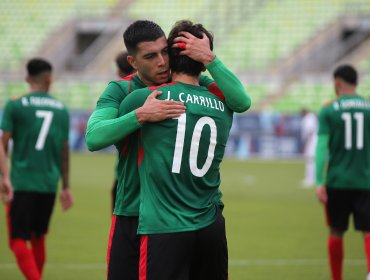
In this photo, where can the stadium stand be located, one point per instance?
(24, 25)
(252, 38)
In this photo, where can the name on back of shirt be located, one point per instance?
(351, 104)
(36, 101)
(208, 102)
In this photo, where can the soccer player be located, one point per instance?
(39, 127)
(344, 135)
(6, 188)
(181, 222)
(309, 137)
(123, 69)
(148, 54)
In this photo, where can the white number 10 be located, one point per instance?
(47, 117)
(194, 148)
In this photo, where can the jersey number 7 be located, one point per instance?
(47, 117)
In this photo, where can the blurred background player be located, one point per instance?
(123, 69)
(181, 222)
(344, 134)
(39, 127)
(309, 138)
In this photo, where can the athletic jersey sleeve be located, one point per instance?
(324, 127)
(133, 101)
(320, 158)
(112, 96)
(322, 147)
(236, 97)
(66, 125)
(7, 120)
(103, 127)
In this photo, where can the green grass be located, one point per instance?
(275, 229)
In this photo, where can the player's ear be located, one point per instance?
(132, 61)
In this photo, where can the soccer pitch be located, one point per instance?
(275, 229)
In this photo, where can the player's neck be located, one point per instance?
(347, 90)
(185, 78)
(39, 88)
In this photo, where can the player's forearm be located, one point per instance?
(320, 158)
(65, 166)
(3, 165)
(236, 97)
(105, 129)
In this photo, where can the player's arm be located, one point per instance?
(66, 198)
(136, 103)
(235, 95)
(321, 155)
(7, 127)
(105, 128)
(6, 187)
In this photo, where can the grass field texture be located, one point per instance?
(275, 229)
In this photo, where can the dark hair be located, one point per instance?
(182, 63)
(347, 73)
(141, 31)
(122, 63)
(37, 66)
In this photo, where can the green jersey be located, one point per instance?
(179, 160)
(40, 126)
(128, 188)
(347, 123)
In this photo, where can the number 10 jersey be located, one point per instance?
(179, 160)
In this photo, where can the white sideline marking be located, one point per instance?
(260, 262)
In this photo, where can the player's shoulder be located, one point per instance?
(170, 84)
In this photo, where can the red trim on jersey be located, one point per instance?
(215, 90)
(162, 85)
(143, 257)
(327, 103)
(141, 150)
(111, 233)
(127, 78)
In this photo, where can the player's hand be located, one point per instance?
(195, 48)
(66, 199)
(6, 190)
(321, 194)
(155, 110)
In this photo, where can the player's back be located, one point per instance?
(348, 119)
(40, 127)
(179, 166)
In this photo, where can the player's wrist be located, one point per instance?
(141, 115)
(208, 58)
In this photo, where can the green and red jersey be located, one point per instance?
(346, 121)
(40, 126)
(180, 160)
(128, 188)
(105, 128)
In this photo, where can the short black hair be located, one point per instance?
(347, 73)
(37, 66)
(122, 63)
(141, 31)
(182, 63)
